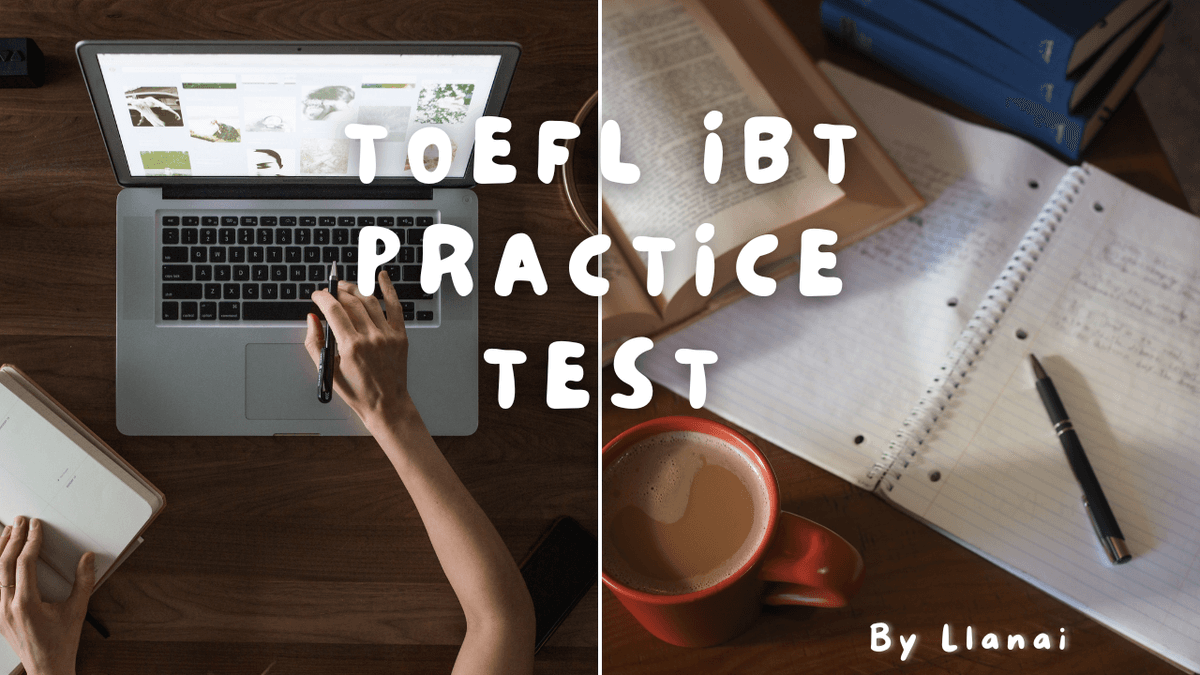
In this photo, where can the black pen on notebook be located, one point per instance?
(325, 369)
(1103, 520)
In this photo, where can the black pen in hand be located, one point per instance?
(1103, 520)
(325, 370)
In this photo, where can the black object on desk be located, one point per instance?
(1103, 520)
(558, 573)
(95, 623)
(21, 63)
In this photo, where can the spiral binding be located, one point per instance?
(971, 342)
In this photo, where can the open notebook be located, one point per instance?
(915, 382)
(89, 499)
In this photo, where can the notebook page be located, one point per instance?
(50, 470)
(1112, 309)
(44, 473)
(813, 374)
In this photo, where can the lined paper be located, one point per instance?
(1112, 309)
(813, 374)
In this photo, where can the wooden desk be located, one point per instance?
(917, 580)
(297, 555)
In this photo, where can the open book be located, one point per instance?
(666, 65)
(88, 498)
(915, 382)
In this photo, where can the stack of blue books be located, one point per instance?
(1051, 70)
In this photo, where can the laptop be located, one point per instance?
(241, 190)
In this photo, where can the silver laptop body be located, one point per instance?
(213, 271)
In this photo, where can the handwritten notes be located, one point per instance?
(1112, 309)
(1137, 302)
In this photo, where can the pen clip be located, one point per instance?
(1113, 547)
(324, 393)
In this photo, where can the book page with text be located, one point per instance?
(666, 65)
(626, 309)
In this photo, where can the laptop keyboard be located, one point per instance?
(265, 266)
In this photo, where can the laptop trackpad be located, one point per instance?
(281, 384)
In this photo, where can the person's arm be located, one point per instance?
(371, 376)
(44, 635)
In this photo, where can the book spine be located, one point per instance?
(972, 342)
(1040, 42)
(958, 39)
(955, 80)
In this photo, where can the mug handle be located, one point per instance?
(812, 565)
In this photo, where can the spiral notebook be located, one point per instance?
(914, 382)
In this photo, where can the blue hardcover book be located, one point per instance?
(975, 46)
(1067, 134)
(1059, 34)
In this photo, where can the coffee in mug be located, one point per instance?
(695, 541)
(682, 511)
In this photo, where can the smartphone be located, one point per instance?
(559, 571)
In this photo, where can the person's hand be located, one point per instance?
(44, 635)
(371, 369)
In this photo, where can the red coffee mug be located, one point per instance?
(798, 562)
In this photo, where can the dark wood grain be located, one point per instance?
(302, 553)
(917, 580)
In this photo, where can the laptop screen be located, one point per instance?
(264, 115)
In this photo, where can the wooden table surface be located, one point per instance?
(298, 555)
(917, 580)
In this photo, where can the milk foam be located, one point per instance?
(655, 475)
